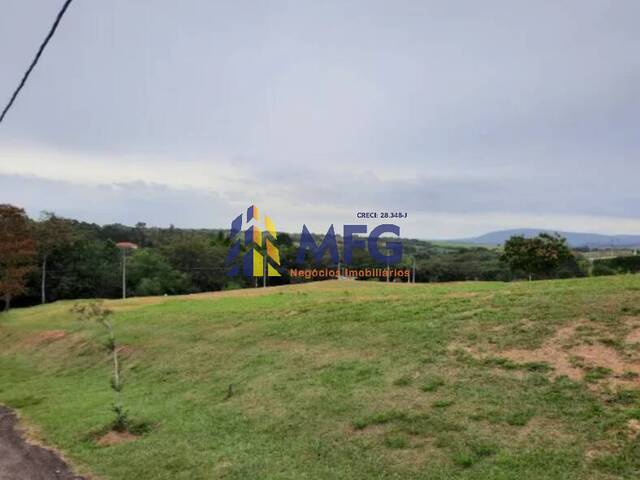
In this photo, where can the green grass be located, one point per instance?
(431, 384)
(335, 380)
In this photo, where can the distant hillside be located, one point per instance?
(591, 240)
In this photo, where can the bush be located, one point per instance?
(601, 269)
(149, 273)
(612, 266)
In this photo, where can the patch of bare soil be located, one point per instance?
(126, 351)
(461, 294)
(546, 428)
(20, 460)
(368, 431)
(416, 456)
(603, 448)
(602, 356)
(417, 452)
(570, 356)
(52, 335)
(567, 358)
(600, 449)
(317, 355)
(634, 428)
(551, 352)
(634, 336)
(47, 336)
(115, 438)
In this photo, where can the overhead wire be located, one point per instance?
(34, 62)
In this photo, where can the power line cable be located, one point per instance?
(37, 57)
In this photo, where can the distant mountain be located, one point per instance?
(591, 240)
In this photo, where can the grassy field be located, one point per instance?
(344, 380)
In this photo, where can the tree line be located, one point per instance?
(54, 258)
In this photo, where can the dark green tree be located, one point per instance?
(149, 273)
(201, 260)
(91, 269)
(536, 257)
(53, 234)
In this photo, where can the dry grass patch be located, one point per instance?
(52, 340)
(564, 352)
(634, 428)
(417, 455)
(606, 357)
(542, 428)
(115, 438)
(461, 294)
(571, 354)
(633, 336)
(45, 337)
(317, 355)
(49, 336)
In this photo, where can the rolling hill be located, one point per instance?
(575, 239)
(342, 380)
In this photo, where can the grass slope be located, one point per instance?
(339, 380)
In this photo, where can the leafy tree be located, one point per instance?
(149, 273)
(460, 264)
(201, 260)
(601, 269)
(17, 252)
(576, 266)
(611, 266)
(536, 257)
(96, 312)
(53, 233)
(91, 269)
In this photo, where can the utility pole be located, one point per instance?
(124, 246)
(414, 270)
(44, 277)
(124, 273)
(387, 271)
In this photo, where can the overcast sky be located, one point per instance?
(470, 116)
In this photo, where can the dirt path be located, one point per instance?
(20, 460)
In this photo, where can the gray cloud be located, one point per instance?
(496, 107)
(437, 209)
(127, 203)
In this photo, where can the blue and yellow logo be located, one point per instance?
(261, 256)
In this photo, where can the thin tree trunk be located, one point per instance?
(116, 368)
(44, 280)
(116, 364)
(117, 385)
(124, 273)
(7, 302)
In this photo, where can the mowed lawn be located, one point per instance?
(344, 380)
